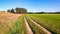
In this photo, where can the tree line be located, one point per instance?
(43, 12)
(24, 11)
(18, 10)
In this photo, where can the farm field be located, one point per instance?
(50, 22)
(35, 28)
(29, 23)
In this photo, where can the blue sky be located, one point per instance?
(31, 5)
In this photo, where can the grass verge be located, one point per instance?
(18, 28)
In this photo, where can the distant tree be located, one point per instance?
(39, 12)
(25, 10)
(30, 12)
(3, 11)
(18, 10)
(8, 10)
(58, 12)
(21, 10)
(12, 11)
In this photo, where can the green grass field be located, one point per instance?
(35, 29)
(49, 21)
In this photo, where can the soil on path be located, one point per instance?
(29, 31)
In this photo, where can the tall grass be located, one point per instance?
(18, 28)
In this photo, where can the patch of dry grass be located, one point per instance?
(7, 20)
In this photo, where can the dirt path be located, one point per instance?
(28, 27)
(45, 30)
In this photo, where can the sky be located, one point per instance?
(31, 5)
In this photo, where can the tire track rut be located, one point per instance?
(29, 31)
(45, 30)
